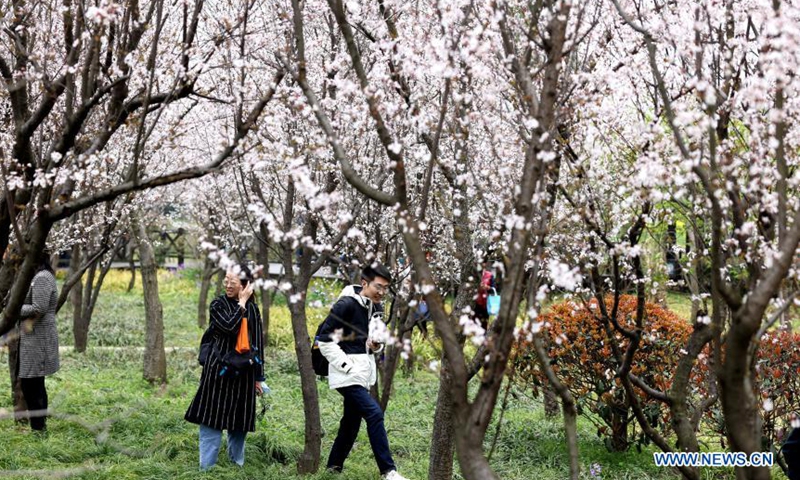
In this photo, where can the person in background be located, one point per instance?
(38, 342)
(791, 453)
(344, 341)
(481, 300)
(226, 398)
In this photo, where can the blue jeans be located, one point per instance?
(210, 440)
(358, 404)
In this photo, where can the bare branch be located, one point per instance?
(62, 211)
(788, 302)
(348, 170)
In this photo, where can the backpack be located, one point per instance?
(318, 361)
(206, 346)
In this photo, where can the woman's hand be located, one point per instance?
(244, 294)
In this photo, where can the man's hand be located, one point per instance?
(259, 391)
(373, 346)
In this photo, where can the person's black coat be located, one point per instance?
(791, 453)
(228, 402)
(351, 314)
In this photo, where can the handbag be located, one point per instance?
(239, 362)
(242, 357)
(493, 303)
(243, 340)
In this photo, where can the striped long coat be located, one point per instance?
(38, 342)
(228, 402)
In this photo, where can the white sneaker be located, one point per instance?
(393, 475)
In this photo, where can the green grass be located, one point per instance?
(148, 421)
(105, 386)
(680, 303)
(118, 319)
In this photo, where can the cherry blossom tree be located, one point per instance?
(555, 139)
(92, 112)
(390, 71)
(688, 117)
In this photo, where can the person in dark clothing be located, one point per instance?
(38, 341)
(348, 341)
(791, 453)
(226, 398)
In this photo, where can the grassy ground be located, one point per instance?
(148, 422)
(680, 303)
(112, 424)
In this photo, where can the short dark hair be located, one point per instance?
(376, 270)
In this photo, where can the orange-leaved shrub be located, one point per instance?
(582, 356)
(778, 378)
(777, 385)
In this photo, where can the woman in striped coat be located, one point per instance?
(226, 398)
(38, 342)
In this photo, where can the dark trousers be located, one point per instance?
(791, 453)
(358, 404)
(36, 397)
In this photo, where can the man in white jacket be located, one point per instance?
(344, 340)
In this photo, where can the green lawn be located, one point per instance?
(148, 421)
(112, 424)
(680, 303)
(118, 317)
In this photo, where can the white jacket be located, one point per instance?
(345, 369)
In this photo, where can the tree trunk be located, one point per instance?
(132, 266)
(17, 399)
(681, 416)
(443, 438)
(7, 274)
(94, 292)
(571, 433)
(400, 319)
(443, 441)
(155, 358)
(408, 364)
(80, 325)
(205, 285)
(310, 458)
(391, 360)
(551, 407)
(551, 403)
(266, 304)
(440, 466)
(86, 297)
(619, 429)
(739, 403)
(266, 298)
(474, 465)
(557, 388)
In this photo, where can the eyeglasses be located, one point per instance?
(381, 288)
